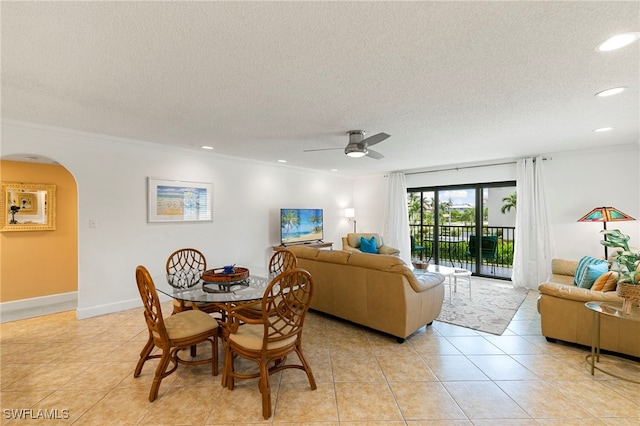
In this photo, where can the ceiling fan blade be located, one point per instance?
(374, 154)
(321, 149)
(372, 140)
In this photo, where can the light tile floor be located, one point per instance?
(442, 375)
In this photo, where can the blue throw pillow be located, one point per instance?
(592, 273)
(368, 246)
(582, 277)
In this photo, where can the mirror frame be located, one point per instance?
(48, 222)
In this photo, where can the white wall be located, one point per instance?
(112, 189)
(370, 196)
(576, 182)
(581, 180)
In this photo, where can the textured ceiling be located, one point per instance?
(453, 83)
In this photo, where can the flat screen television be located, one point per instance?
(299, 226)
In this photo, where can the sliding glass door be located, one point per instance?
(466, 226)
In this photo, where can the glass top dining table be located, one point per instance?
(190, 287)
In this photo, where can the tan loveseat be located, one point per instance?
(352, 243)
(377, 291)
(564, 316)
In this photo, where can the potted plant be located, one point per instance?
(627, 264)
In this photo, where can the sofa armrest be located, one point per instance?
(571, 292)
(351, 249)
(345, 244)
(388, 250)
(426, 281)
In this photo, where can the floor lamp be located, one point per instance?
(351, 214)
(604, 215)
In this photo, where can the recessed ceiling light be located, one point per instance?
(618, 41)
(334, 170)
(603, 129)
(610, 92)
(282, 161)
(207, 147)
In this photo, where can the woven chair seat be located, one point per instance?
(189, 323)
(251, 336)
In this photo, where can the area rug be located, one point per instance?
(492, 306)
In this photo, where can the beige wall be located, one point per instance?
(41, 263)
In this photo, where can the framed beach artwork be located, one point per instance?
(178, 201)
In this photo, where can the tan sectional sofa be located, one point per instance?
(564, 316)
(375, 290)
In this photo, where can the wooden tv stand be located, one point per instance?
(318, 245)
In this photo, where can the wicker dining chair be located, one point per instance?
(178, 331)
(282, 260)
(269, 339)
(192, 263)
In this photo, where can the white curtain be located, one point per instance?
(534, 245)
(397, 218)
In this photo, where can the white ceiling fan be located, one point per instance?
(358, 145)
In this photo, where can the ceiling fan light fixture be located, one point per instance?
(356, 154)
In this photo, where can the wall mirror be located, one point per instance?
(28, 207)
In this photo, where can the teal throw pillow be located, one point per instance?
(368, 246)
(582, 277)
(592, 273)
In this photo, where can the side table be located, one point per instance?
(613, 310)
(461, 274)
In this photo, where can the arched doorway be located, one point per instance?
(39, 269)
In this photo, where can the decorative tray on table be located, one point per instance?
(226, 275)
(225, 280)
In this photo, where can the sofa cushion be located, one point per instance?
(584, 278)
(378, 263)
(333, 256)
(305, 252)
(606, 282)
(368, 245)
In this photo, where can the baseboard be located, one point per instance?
(109, 308)
(38, 306)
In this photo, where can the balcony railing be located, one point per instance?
(453, 248)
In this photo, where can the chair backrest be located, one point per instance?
(185, 267)
(285, 305)
(151, 303)
(489, 247)
(413, 242)
(186, 258)
(282, 260)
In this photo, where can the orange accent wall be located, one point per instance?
(41, 263)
